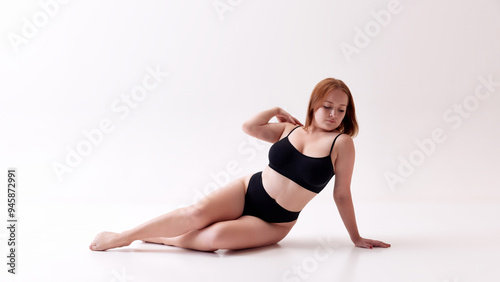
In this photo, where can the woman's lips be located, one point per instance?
(331, 120)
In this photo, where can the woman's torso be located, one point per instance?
(286, 192)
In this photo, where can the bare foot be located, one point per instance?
(108, 240)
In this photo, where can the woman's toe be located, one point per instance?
(93, 246)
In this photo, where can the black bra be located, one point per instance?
(309, 172)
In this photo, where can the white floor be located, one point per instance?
(454, 242)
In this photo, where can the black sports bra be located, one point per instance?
(309, 172)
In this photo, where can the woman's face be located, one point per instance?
(332, 111)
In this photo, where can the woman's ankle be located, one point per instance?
(126, 237)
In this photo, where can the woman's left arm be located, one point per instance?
(344, 166)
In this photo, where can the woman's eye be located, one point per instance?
(341, 111)
(326, 107)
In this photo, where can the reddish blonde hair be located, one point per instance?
(349, 124)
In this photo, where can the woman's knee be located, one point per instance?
(197, 215)
(215, 238)
(194, 240)
(220, 237)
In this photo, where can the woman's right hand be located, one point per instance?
(284, 116)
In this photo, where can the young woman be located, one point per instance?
(260, 209)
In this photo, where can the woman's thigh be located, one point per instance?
(225, 203)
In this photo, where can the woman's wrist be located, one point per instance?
(356, 238)
(276, 111)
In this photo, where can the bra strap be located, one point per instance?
(293, 130)
(331, 149)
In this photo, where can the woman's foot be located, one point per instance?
(108, 240)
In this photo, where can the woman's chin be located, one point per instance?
(330, 126)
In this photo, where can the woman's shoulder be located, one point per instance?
(281, 129)
(288, 127)
(344, 141)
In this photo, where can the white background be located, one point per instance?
(223, 69)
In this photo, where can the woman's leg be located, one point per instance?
(223, 204)
(242, 233)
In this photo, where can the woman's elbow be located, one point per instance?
(341, 197)
(247, 128)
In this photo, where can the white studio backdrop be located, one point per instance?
(108, 102)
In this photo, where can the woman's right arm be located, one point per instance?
(259, 126)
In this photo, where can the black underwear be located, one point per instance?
(258, 203)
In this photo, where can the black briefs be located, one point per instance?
(258, 203)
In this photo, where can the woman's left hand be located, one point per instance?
(369, 243)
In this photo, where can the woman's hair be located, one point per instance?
(349, 124)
